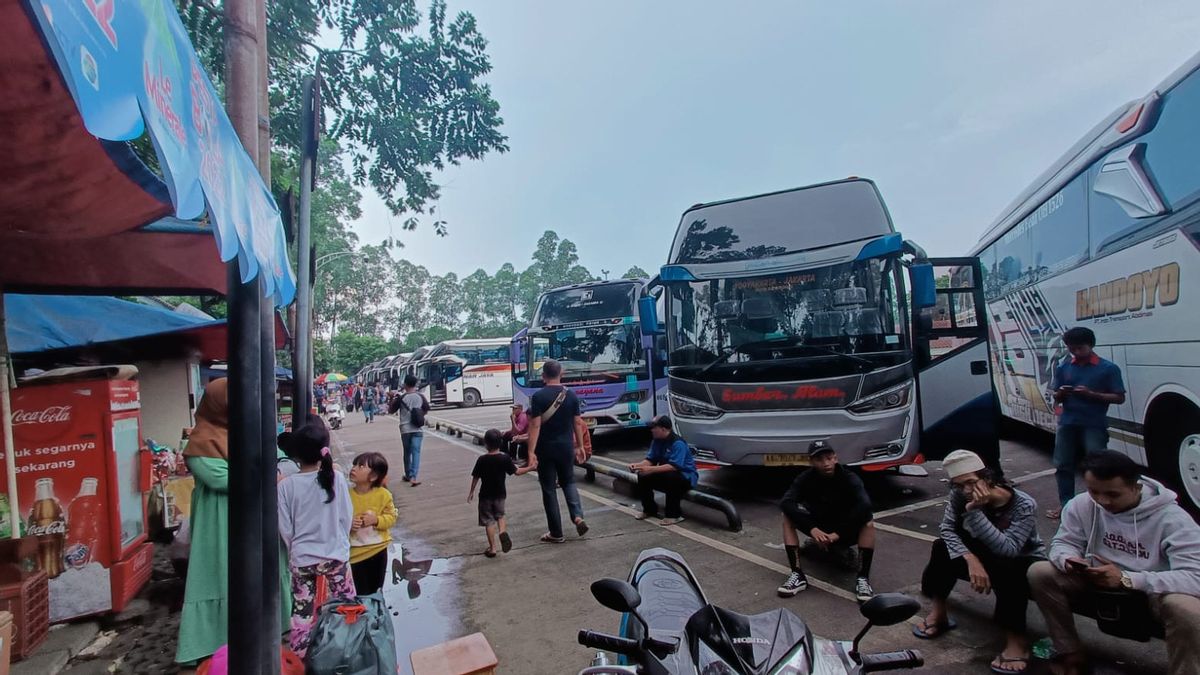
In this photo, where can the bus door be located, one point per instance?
(955, 400)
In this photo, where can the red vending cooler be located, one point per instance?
(80, 480)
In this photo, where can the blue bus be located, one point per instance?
(614, 364)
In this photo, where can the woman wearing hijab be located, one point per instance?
(204, 621)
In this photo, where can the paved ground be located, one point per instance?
(531, 602)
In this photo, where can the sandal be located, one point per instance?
(505, 542)
(581, 527)
(1001, 660)
(926, 632)
(548, 539)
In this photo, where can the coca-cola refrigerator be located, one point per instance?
(81, 483)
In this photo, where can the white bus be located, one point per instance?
(1107, 239)
(466, 372)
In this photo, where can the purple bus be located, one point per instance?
(617, 369)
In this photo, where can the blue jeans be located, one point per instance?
(1072, 443)
(558, 468)
(412, 453)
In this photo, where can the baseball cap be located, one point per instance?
(818, 447)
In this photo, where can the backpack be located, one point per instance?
(416, 415)
(352, 637)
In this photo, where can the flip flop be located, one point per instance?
(505, 542)
(581, 527)
(546, 538)
(1001, 659)
(923, 630)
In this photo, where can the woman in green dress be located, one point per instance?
(203, 623)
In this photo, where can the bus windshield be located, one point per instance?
(598, 355)
(839, 319)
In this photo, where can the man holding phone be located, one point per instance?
(1126, 534)
(1084, 385)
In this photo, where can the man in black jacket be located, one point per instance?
(829, 504)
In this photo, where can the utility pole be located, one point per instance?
(246, 368)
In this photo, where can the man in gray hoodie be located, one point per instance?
(1125, 533)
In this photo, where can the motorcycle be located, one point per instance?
(334, 414)
(668, 627)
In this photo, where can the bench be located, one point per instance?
(732, 517)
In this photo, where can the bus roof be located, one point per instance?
(1096, 143)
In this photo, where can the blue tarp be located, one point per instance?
(42, 322)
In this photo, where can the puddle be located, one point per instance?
(417, 590)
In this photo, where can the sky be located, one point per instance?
(622, 114)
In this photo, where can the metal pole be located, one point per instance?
(10, 448)
(303, 362)
(245, 595)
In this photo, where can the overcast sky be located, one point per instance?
(622, 114)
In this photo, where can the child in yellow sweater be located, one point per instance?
(374, 516)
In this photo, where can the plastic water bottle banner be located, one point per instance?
(130, 65)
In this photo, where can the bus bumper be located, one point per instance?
(782, 438)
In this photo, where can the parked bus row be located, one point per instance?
(803, 315)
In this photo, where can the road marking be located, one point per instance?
(917, 506)
(694, 536)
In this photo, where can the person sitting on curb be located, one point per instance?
(1126, 533)
(989, 538)
(828, 503)
(668, 468)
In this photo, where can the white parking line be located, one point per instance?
(693, 535)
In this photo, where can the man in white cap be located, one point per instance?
(988, 537)
(829, 504)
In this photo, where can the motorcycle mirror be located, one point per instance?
(888, 609)
(616, 595)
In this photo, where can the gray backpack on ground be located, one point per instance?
(352, 638)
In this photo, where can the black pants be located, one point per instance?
(847, 529)
(671, 483)
(1007, 576)
(370, 573)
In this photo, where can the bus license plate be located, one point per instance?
(785, 460)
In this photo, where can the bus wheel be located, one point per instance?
(471, 398)
(1175, 450)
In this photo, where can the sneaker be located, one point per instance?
(862, 590)
(795, 583)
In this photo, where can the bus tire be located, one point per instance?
(471, 398)
(1173, 440)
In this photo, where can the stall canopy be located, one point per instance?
(39, 323)
(80, 79)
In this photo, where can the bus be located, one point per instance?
(789, 321)
(1101, 240)
(609, 357)
(465, 373)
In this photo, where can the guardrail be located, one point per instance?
(697, 497)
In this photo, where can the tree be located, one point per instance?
(404, 95)
(636, 272)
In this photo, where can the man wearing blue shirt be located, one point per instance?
(1085, 385)
(668, 468)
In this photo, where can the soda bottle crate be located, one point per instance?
(29, 602)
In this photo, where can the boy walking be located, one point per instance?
(829, 504)
(491, 470)
(1085, 385)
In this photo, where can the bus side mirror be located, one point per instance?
(648, 315)
(924, 290)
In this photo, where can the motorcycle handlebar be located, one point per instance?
(612, 643)
(905, 658)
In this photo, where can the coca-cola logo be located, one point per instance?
(51, 415)
(56, 527)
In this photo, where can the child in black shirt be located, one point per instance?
(491, 470)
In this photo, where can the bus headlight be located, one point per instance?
(637, 396)
(690, 407)
(888, 399)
